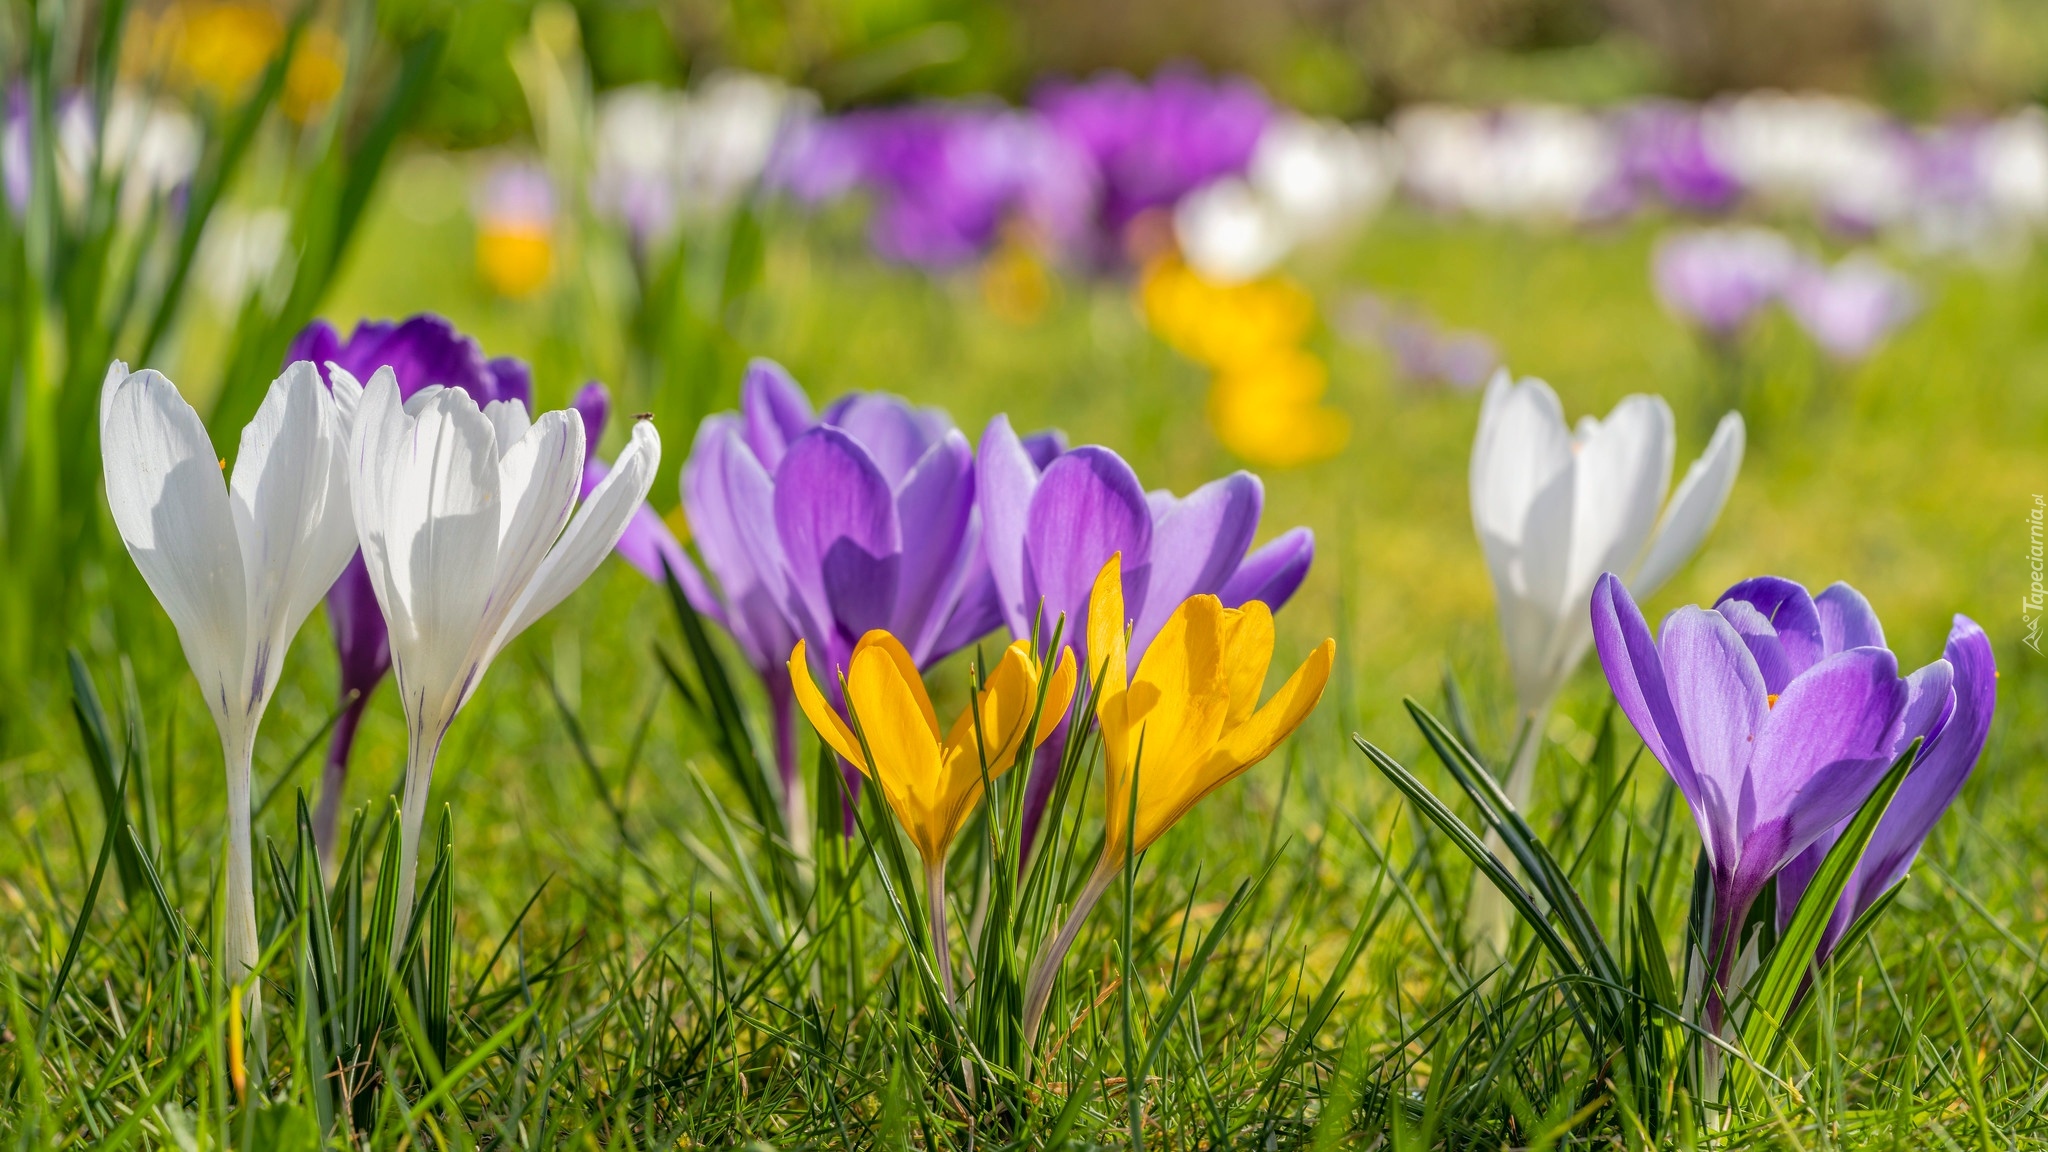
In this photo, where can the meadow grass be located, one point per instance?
(613, 962)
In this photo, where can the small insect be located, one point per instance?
(643, 415)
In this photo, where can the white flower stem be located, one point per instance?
(1489, 920)
(1038, 989)
(242, 947)
(420, 753)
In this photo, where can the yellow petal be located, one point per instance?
(830, 727)
(1248, 652)
(1179, 703)
(890, 711)
(1252, 742)
(1058, 695)
(1108, 662)
(905, 666)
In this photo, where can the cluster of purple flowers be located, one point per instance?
(1721, 280)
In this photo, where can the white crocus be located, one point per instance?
(236, 563)
(1556, 506)
(462, 514)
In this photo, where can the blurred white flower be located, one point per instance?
(153, 146)
(240, 251)
(665, 156)
(2012, 163)
(1308, 179)
(1840, 157)
(1538, 162)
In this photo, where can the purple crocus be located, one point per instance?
(1154, 143)
(821, 528)
(1664, 151)
(1049, 526)
(421, 351)
(1775, 713)
(1850, 308)
(945, 177)
(1927, 791)
(1720, 278)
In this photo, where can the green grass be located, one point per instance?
(625, 969)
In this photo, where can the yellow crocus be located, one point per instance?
(1184, 724)
(932, 784)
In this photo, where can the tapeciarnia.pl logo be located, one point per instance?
(2036, 601)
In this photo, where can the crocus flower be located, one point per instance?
(664, 157)
(1540, 162)
(1307, 180)
(422, 351)
(1775, 713)
(1664, 150)
(1556, 506)
(515, 223)
(1154, 143)
(932, 784)
(1183, 722)
(1846, 160)
(236, 565)
(1048, 531)
(825, 528)
(1721, 278)
(1927, 791)
(464, 513)
(1850, 308)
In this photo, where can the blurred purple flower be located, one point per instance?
(945, 177)
(1664, 150)
(1720, 278)
(1849, 309)
(1424, 353)
(1154, 143)
(421, 351)
(1953, 746)
(1050, 524)
(1775, 713)
(822, 528)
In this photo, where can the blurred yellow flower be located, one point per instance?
(1189, 720)
(1015, 283)
(932, 785)
(1223, 326)
(514, 261)
(1271, 412)
(515, 241)
(220, 47)
(315, 75)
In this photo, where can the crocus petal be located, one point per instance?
(537, 482)
(164, 487)
(1693, 509)
(1005, 480)
(822, 715)
(774, 411)
(591, 535)
(893, 719)
(1763, 641)
(1196, 546)
(1263, 731)
(906, 668)
(1819, 752)
(1521, 446)
(895, 435)
(1788, 613)
(837, 519)
(593, 402)
(1272, 572)
(730, 499)
(1248, 638)
(1088, 507)
(1108, 663)
(1846, 620)
(1621, 468)
(934, 505)
(509, 379)
(1178, 702)
(1718, 697)
(1635, 671)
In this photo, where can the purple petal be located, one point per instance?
(422, 350)
(508, 378)
(895, 435)
(1196, 546)
(318, 342)
(594, 403)
(837, 519)
(1272, 572)
(360, 640)
(730, 500)
(979, 611)
(1005, 480)
(1088, 507)
(774, 409)
(1044, 447)
(1763, 642)
(1718, 697)
(1821, 749)
(933, 505)
(1846, 620)
(1790, 613)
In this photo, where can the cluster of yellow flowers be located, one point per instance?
(220, 47)
(1265, 401)
(1182, 724)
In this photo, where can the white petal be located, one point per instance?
(1623, 469)
(537, 484)
(290, 504)
(1522, 443)
(510, 419)
(592, 534)
(348, 396)
(380, 431)
(1694, 509)
(418, 401)
(171, 506)
(116, 373)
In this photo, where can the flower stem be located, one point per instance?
(1038, 989)
(935, 898)
(1489, 921)
(412, 816)
(242, 947)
